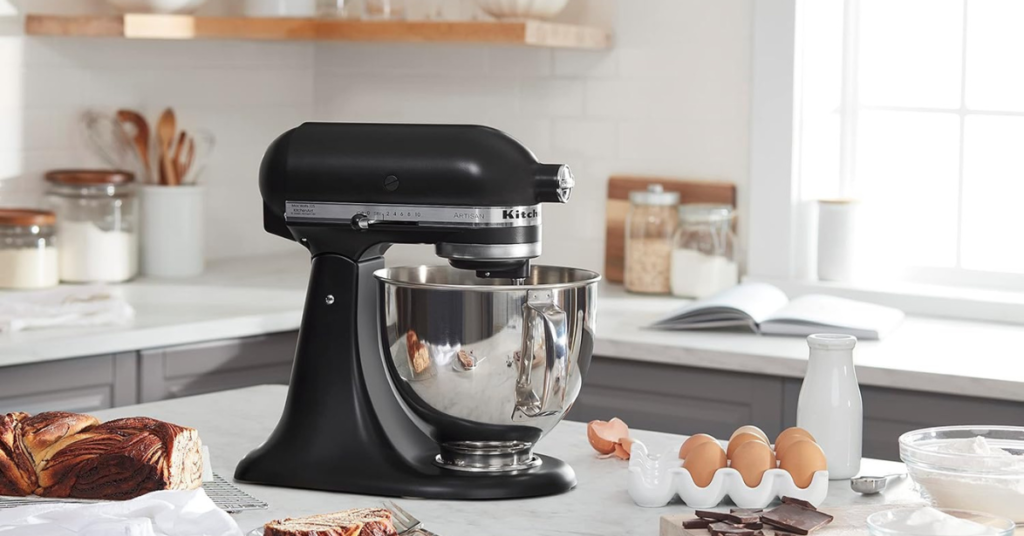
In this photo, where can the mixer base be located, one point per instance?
(343, 428)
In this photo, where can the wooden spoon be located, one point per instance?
(139, 133)
(190, 156)
(165, 128)
(179, 146)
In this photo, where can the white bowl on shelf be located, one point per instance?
(156, 6)
(523, 9)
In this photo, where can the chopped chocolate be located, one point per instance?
(696, 523)
(798, 502)
(728, 529)
(734, 518)
(796, 519)
(756, 526)
(745, 511)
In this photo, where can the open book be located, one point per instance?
(763, 308)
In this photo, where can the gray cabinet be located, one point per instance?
(215, 366)
(889, 413)
(81, 384)
(679, 400)
(686, 400)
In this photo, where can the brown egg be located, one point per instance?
(804, 458)
(739, 439)
(752, 459)
(751, 429)
(787, 437)
(692, 442)
(703, 461)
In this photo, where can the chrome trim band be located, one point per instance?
(455, 216)
(483, 252)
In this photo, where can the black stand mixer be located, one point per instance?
(436, 381)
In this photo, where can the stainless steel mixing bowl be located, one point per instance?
(486, 367)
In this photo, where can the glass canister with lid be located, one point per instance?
(96, 224)
(650, 223)
(28, 250)
(704, 251)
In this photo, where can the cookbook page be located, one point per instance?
(742, 304)
(817, 311)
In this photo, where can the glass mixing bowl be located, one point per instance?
(898, 523)
(978, 468)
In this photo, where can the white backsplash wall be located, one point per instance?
(671, 97)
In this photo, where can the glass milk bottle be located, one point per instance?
(830, 406)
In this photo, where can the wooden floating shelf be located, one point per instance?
(152, 26)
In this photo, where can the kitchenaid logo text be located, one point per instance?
(517, 214)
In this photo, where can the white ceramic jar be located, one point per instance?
(830, 405)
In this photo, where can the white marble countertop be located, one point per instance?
(599, 505)
(255, 296)
(236, 298)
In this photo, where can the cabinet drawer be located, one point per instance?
(82, 384)
(216, 366)
(677, 399)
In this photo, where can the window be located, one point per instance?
(916, 107)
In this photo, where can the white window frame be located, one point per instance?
(781, 233)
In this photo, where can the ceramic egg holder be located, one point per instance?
(655, 479)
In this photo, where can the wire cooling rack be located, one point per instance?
(223, 493)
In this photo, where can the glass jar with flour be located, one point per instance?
(96, 224)
(704, 251)
(28, 251)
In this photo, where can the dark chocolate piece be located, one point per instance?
(745, 511)
(798, 502)
(728, 529)
(756, 526)
(796, 519)
(696, 523)
(736, 519)
(715, 516)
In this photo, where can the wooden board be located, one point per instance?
(849, 521)
(153, 26)
(690, 191)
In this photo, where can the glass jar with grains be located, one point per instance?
(650, 225)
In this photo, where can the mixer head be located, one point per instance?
(354, 189)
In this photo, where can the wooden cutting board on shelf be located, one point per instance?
(619, 186)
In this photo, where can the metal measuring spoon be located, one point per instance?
(869, 485)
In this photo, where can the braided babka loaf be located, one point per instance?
(59, 454)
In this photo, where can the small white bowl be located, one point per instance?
(523, 9)
(895, 522)
(156, 6)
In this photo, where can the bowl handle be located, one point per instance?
(548, 318)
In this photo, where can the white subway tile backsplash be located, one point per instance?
(551, 97)
(586, 63)
(587, 138)
(518, 61)
(384, 58)
(671, 97)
